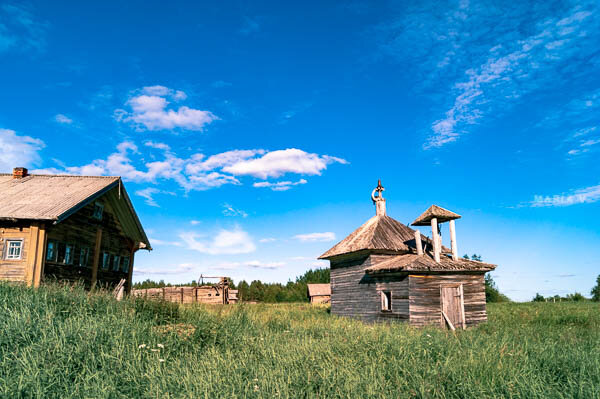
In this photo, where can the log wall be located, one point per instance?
(202, 294)
(356, 294)
(80, 231)
(425, 304)
(14, 270)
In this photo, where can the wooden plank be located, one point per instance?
(448, 321)
(33, 253)
(97, 246)
(41, 256)
(134, 248)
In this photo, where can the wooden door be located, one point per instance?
(453, 308)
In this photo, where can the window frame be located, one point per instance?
(54, 259)
(105, 261)
(125, 263)
(82, 251)
(7, 242)
(71, 258)
(98, 215)
(386, 301)
(116, 263)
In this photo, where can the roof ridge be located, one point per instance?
(45, 175)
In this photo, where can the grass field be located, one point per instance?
(61, 342)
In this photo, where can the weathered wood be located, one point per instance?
(418, 242)
(38, 271)
(453, 244)
(435, 239)
(134, 248)
(448, 321)
(96, 261)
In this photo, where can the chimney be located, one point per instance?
(453, 240)
(19, 173)
(378, 200)
(418, 243)
(436, 240)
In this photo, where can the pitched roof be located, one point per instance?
(318, 289)
(56, 197)
(381, 232)
(425, 262)
(434, 211)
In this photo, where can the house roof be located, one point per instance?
(381, 232)
(434, 211)
(318, 289)
(56, 197)
(425, 262)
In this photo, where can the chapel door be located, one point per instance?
(453, 308)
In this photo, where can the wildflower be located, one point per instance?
(161, 360)
(142, 346)
(154, 350)
(160, 346)
(255, 388)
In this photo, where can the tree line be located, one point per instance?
(576, 297)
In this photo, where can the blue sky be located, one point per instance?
(250, 135)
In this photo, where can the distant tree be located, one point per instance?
(476, 257)
(465, 256)
(576, 297)
(492, 294)
(539, 298)
(596, 291)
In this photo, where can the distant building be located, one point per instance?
(319, 293)
(73, 228)
(385, 270)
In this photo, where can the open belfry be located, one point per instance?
(385, 270)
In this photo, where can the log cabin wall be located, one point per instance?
(203, 294)
(79, 232)
(14, 269)
(356, 294)
(424, 297)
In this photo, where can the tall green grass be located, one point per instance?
(61, 342)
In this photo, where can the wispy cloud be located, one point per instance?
(225, 242)
(156, 241)
(63, 119)
(312, 237)
(581, 196)
(18, 150)
(280, 185)
(229, 210)
(267, 239)
(149, 111)
(249, 26)
(20, 30)
(149, 193)
(490, 54)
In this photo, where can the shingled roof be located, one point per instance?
(319, 289)
(56, 197)
(425, 262)
(434, 211)
(381, 232)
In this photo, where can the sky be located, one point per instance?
(250, 135)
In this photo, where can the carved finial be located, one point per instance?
(378, 200)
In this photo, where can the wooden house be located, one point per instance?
(319, 293)
(385, 270)
(73, 228)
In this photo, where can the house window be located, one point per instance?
(105, 260)
(98, 210)
(125, 264)
(386, 301)
(51, 251)
(69, 253)
(14, 249)
(115, 265)
(84, 254)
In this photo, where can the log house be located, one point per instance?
(72, 228)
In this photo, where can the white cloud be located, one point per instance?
(229, 210)
(226, 242)
(264, 265)
(20, 30)
(195, 222)
(267, 239)
(312, 237)
(182, 268)
(585, 195)
(198, 172)
(63, 119)
(149, 111)
(280, 185)
(18, 150)
(277, 163)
